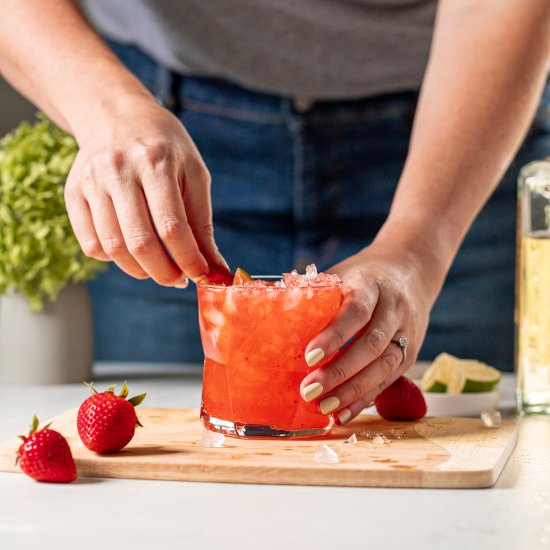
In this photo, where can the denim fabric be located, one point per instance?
(295, 184)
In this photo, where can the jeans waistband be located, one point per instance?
(223, 98)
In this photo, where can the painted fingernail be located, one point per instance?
(222, 261)
(184, 283)
(329, 404)
(314, 356)
(309, 393)
(343, 416)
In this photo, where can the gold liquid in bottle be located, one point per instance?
(533, 290)
(534, 324)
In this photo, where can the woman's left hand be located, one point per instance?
(386, 296)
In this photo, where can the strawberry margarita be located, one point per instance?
(254, 336)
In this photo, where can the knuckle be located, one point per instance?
(92, 249)
(170, 229)
(389, 363)
(338, 373)
(140, 244)
(155, 153)
(337, 338)
(87, 171)
(360, 310)
(113, 159)
(208, 229)
(402, 299)
(357, 389)
(376, 339)
(113, 246)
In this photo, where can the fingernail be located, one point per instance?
(329, 404)
(184, 283)
(221, 259)
(343, 416)
(201, 279)
(309, 393)
(314, 356)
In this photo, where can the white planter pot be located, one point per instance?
(51, 347)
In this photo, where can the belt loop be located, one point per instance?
(167, 88)
(176, 91)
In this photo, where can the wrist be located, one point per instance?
(423, 244)
(108, 110)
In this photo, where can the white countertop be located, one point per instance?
(102, 513)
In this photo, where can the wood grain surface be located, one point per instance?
(432, 452)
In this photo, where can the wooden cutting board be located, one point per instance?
(432, 452)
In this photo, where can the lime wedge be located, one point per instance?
(449, 374)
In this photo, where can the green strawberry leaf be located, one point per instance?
(136, 400)
(34, 425)
(124, 392)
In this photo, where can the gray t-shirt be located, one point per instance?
(316, 49)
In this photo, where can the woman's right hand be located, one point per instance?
(139, 194)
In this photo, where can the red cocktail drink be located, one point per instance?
(254, 337)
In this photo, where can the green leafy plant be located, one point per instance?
(39, 253)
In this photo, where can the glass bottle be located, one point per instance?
(532, 315)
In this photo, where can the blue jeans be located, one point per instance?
(295, 184)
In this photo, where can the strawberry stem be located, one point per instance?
(90, 386)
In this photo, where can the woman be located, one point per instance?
(302, 112)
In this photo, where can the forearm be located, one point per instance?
(486, 71)
(52, 56)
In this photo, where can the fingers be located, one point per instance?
(141, 239)
(356, 311)
(127, 206)
(83, 227)
(111, 238)
(348, 412)
(361, 389)
(161, 189)
(342, 372)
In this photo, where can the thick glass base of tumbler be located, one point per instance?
(250, 431)
(534, 403)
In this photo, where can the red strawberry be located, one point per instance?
(45, 455)
(106, 422)
(403, 400)
(220, 275)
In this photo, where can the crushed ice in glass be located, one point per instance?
(491, 418)
(212, 439)
(311, 272)
(326, 455)
(311, 278)
(352, 439)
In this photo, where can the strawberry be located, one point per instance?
(403, 400)
(220, 275)
(106, 422)
(45, 455)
